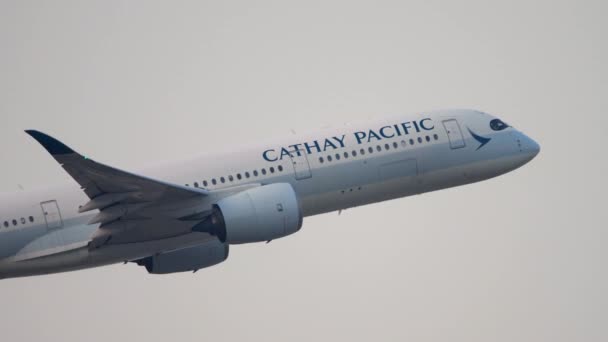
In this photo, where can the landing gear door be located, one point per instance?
(452, 128)
(301, 167)
(52, 215)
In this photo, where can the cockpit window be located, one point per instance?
(498, 125)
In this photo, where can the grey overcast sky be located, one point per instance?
(519, 258)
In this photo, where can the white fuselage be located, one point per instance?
(331, 170)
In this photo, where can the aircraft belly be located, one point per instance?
(82, 257)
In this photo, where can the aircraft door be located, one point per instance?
(301, 167)
(454, 133)
(52, 215)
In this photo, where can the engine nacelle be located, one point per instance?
(188, 259)
(260, 214)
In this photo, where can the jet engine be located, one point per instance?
(255, 215)
(188, 259)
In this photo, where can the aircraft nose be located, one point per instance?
(527, 145)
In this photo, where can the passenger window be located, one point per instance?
(14, 222)
(280, 168)
(395, 145)
(362, 151)
(321, 160)
(379, 148)
(32, 219)
(354, 153)
(337, 156)
(214, 181)
(255, 173)
(230, 178)
(386, 147)
(247, 174)
(6, 224)
(23, 220)
(436, 137)
(420, 140)
(411, 141)
(403, 143)
(195, 184)
(345, 154)
(329, 158)
(370, 150)
(205, 183)
(428, 138)
(238, 176)
(222, 179)
(263, 171)
(271, 169)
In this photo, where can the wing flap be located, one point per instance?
(104, 201)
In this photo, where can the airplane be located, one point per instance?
(184, 216)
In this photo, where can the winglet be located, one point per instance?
(52, 145)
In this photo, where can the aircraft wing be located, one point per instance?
(126, 201)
